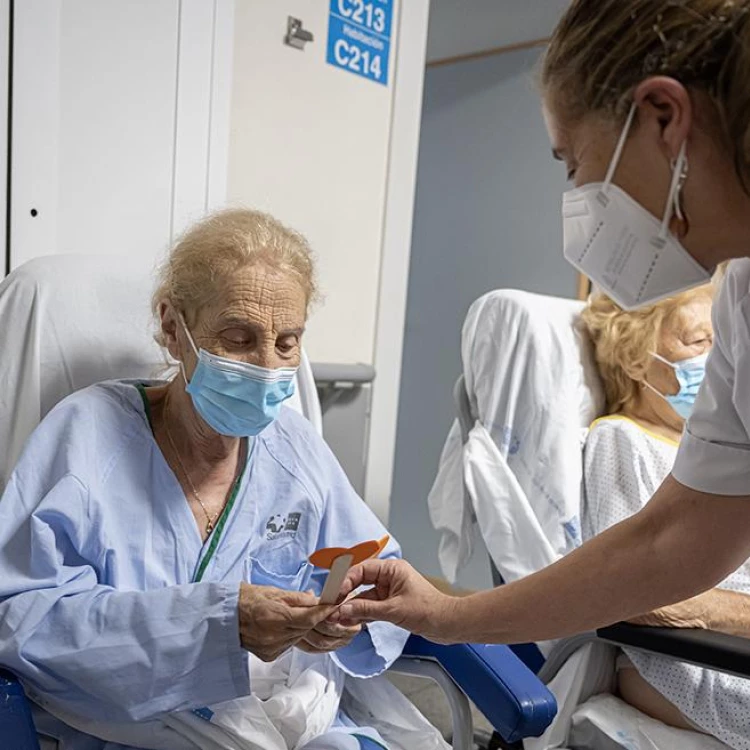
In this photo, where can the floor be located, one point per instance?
(429, 699)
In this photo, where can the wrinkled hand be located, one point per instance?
(692, 613)
(328, 636)
(272, 620)
(399, 595)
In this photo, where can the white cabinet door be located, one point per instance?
(112, 122)
(309, 143)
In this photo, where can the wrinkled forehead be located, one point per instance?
(257, 294)
(694, 314)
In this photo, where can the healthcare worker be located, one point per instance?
(648, 104)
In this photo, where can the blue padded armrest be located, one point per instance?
(509, 695)
(16, 726)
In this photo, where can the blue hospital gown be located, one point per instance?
(113, 611)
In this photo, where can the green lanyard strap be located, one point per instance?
(219, 528)
(216, 535)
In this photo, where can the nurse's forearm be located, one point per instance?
(681, 544)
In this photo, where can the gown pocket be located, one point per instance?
(289, 580)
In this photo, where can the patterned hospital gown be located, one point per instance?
(624, 466)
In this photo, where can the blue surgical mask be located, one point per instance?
(690, 374)
(234, 398)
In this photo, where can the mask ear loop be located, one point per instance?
(648, 385)
(674, 367)
(192, 343)
(662, 359)
(619, 149)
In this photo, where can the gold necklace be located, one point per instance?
(211, 520)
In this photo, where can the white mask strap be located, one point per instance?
(661, 359)
(673, 201)
(651, 387)
(620, 146)
(192, 343)
(187, 333)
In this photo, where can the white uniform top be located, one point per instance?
(623, 466)
(714, 455)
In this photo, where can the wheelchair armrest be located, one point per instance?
(509, 695)
(16, 725)
(705, 648)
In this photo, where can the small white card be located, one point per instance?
(336, 576)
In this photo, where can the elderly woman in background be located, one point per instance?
(154, 537)
(652, 362)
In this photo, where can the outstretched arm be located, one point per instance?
(682, 543)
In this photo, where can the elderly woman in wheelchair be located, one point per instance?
(154, 536)
(651, 361)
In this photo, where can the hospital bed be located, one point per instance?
(530, 385)
(69, 321)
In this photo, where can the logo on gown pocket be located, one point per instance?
(281, 525)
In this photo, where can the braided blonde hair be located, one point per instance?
(602, 49)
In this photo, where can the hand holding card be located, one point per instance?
(338, 560)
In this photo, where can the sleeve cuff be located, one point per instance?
(239, 664)
(373, 651)
(713, 468)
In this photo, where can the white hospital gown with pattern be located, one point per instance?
(624, 466)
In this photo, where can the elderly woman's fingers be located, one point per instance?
(272, 620)
(299, 598)
(334, 630)
(315, 642)
(303, 619)
(304, 611)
